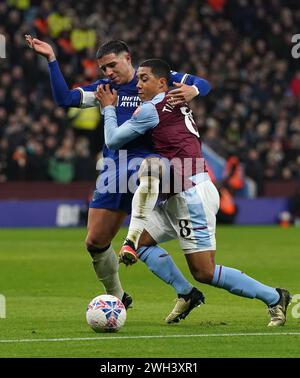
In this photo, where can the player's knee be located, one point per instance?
(203, 275)
(146, 240)
(94, 246)
(90, 247)
(98, 239)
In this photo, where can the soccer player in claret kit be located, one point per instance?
(110, 205)
(189, 214)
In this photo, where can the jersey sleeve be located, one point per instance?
(88, 98)
(62, 95)
(202, 85)
(144, 118)
(81, 97)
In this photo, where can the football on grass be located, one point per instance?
(106, 313)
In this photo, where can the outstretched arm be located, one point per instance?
(62, 95)
(40, 47)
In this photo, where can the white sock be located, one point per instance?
(106, 267)
(143, 203)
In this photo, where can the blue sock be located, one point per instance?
(162, 264)
(237, 282)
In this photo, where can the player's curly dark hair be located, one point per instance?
(112, 47)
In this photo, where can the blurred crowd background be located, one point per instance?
(242, 47)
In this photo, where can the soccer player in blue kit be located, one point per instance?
(110, 205)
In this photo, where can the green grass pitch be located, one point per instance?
(47, 279)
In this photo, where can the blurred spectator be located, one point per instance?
(228, 208)
(59, 20)
(295, 84)
(255, 170)
(61, 165)
(84, 165)
(234, 174)
(37, 162)
(16, 169)
(85, 123)
(83, 38)
(4, 154)
(232, 182)
(217, 5)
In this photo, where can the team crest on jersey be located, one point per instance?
(137, 111)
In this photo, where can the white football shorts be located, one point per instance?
(189, 216)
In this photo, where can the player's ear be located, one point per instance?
(163, 82)
(127, 57)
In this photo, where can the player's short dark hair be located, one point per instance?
(159, 67)
(112, 47)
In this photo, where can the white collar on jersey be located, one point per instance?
(156, 99)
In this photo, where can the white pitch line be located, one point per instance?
(146, 337)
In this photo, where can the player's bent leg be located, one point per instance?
(143, 203)
(204, 270)
(201, 265)
(239, 283)
(145, 240)
(103, 225)
(161, 264)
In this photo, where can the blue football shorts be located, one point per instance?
(117, 182)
